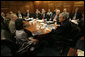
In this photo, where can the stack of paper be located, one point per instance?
(80, 52)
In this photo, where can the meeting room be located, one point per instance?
(42, 28)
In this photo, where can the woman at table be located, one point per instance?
(22, 34)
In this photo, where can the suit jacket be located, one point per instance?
(45, 16)
(67, 30)
(21, 14)
(30, 15)
(37, 16)
(78, 15)
(54, 17)
(2, 19)
(49, 16)
(54, 12)
(67, 14)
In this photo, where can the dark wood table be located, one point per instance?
(32, 28)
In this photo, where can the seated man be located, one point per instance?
(49, 15)
(65, 12)
(6, 21)
(37, 14)
(76, 15)
(63, 32)
(56, 16)
(20, 14)
(43, 14)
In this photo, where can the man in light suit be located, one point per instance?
(55, 11)
(20, 15)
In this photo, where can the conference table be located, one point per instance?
(39, 27)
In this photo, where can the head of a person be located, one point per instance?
(37, 11)
(13, 17)
(48, 10)
(19, 11)
(76, 10)
(19, 24)
(11, 12)
(8, 15)
(57, 12)
(43, 10)
(55, 9)
(27, 11)
(62, 17)
(64, 10)
(2, 14)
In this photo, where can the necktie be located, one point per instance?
(55, 17)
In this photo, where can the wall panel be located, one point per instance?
(32, 5)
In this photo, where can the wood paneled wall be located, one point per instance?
(70, 5)
(14, 6)
(17, 5)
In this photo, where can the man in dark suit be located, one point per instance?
(65, 31)
(76, 15)
(37, 14)
(55, 11)
(6, 21)
(49, 15)
(20, 15)
(3, 15)
(28, 14)
(43, 14)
